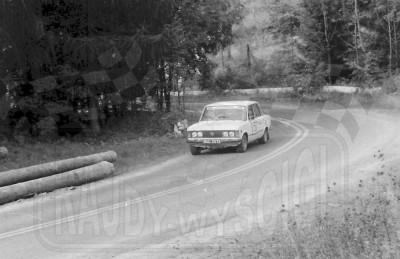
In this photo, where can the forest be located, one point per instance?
(359, 36)
(311, 43)
(63, 61)
(63, 56)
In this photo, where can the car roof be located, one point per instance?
(229, 103)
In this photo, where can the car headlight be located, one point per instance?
(231, 134)
(200, 134)
(194, 134)
(225, 134)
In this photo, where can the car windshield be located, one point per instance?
(218, 113)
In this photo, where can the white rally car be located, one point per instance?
(229, 124)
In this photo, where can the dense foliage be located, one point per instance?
(353, 39)
(42, 38)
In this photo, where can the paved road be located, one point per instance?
(219, 193)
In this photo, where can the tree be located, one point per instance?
(325, 28)
(48, 37)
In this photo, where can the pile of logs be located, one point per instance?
(25, 182)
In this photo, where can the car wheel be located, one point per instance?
(265, 136)
(243, 145)
(195, 150)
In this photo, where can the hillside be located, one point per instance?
(269, 58)
(328, 42)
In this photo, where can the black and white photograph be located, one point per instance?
(199, 129)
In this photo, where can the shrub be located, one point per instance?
(392, 84)
(46, 128)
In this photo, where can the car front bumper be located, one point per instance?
(214, 143)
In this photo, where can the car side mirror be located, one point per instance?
(251, 117)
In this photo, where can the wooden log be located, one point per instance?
(53, 168)
(47, 184)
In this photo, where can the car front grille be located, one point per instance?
(212, 134)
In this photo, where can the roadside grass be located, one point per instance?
(234, 96)
(362, 228)
(365, 225)
(379, 99)
(385, 101)
(139, 139)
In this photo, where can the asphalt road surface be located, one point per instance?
(196, 198)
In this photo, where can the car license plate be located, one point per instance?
(212, 141)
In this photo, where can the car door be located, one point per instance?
(253, 123)
(258, 120)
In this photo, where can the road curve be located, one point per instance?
(147, 211)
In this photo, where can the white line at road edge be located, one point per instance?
(301, 133)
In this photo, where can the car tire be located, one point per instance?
(243, 144)
(195, 150)
(265, 136)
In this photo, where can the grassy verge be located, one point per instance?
(379, 100)
(139, 139)
(363, 225)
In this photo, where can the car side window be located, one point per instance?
(257, 112)
(251, 112)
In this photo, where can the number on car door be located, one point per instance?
(258, 120)
(253, 123)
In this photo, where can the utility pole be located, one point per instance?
(248, 56)
(223, 62)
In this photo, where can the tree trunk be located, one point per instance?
(328, 45)
(93, 112)
(160, 99)
(94, 115)
(396, 44)
(358, 25)
(167, 96)
(292, 48)
(390, 47)
(88, 18)
(161, 90)
(169, 88)
(183, 98)
(356, 32)
(356, 41)
(223, 61)
(179, 99)
(248, 56)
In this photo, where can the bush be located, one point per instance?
(308, 84)
(46, 129)
(225, 81)
(3, 152)
(392, 84)
(206, 80)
